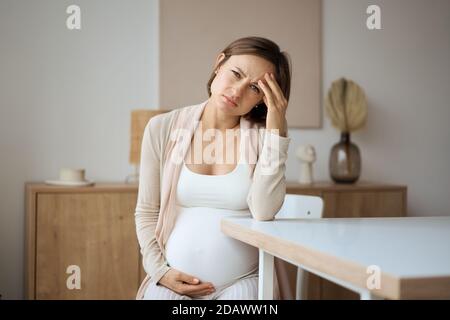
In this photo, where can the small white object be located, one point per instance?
(66, 174)
(307, 156)
(296, 206)
(71, 177)
(70, 183)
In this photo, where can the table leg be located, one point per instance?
(301, 286)
(367, 295)
(266, 271)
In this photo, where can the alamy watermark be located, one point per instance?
(218, 141)
(374, 280)
(74, 280)
(373, 22)
(73, 21)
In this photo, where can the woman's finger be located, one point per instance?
(199, 289)
(187, 278)
(267, 94)
(276, 90)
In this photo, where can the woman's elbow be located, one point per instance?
(264, 211)
(261, 214)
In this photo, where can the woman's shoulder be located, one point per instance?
(161, 119)
(164, 122)
(157, 124)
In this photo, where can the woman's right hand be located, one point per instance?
(185, 284)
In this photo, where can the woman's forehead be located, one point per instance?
(250, 64)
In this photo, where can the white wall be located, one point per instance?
(65, 100)
(405, 71)
(66, 95)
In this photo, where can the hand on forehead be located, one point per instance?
(251, 66)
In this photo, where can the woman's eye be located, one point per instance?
(255, 88)
(238, 75)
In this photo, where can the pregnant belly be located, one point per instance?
(198, 247)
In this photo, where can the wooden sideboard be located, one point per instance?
(89, 227)
(93, 228)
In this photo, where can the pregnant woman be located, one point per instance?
(223, 157)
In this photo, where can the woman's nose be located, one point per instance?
(238, 88)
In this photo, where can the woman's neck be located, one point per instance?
(212, 118)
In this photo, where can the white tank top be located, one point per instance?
(196, 244)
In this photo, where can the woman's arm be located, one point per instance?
(268, 189)
(148, 201)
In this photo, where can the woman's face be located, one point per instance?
(237, 80)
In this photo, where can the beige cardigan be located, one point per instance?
(159, 174)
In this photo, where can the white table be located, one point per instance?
(411, 255)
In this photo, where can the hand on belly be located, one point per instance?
(198, 247)
(185, 284)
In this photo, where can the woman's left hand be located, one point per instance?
(276, 104)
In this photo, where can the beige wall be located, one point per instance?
(65, 100)
(405, 70)
(193, 33)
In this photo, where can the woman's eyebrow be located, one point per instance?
(239, 69)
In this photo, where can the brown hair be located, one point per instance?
(268, 50)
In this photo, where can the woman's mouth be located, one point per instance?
(229, 101)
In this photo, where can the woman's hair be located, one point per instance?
(268, 50)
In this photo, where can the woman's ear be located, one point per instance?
(219, 59)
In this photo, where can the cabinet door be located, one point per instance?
(364, 204)
(94, 232)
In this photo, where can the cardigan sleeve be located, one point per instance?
(148, 201)
(268, 188)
